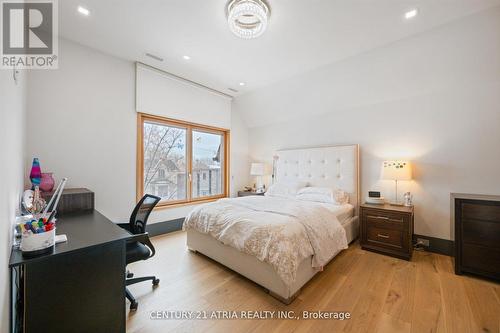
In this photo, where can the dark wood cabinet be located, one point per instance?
(477, 236)
(73, 200)
(387, 229)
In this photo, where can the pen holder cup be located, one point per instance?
(33, 245)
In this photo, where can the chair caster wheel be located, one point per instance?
(133, 306)
(130, 275)
(156, 282)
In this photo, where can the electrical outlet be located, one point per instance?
(423, 242)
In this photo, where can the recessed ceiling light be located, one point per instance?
(242, 83)
(411, 14)
(186, 57)
(83, 11)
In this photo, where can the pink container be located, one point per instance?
(47, 182)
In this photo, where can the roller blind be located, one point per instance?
(161, 94)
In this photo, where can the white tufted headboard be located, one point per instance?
(329, 166)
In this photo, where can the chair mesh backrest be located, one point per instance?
(141, 212)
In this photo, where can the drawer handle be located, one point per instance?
(382, 236)
(385, 218)
(378, 217)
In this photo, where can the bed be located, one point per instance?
(254, 220)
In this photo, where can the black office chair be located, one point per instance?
(139, 247)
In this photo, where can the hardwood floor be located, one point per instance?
(383, 294)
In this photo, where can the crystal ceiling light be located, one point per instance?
(247, 18)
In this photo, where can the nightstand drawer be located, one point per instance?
(388, 216)
(389, 237)
(398, 222)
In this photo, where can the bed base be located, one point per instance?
(253, 269)
(286, 301)
(283, 300)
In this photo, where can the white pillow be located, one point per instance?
(285, 189)
(323, 194)
(317, 194)
(316, 197)
(316, 190)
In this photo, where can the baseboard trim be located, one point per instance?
(165, 227)
(438, 245)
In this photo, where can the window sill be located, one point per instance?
(161, 206)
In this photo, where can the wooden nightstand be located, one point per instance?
(248, 193)
(387, 229)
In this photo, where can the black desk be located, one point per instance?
(80, 286)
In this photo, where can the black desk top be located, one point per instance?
(83, 231)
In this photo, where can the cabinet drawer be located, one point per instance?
(484, 233)
(389, 237)
(477, 259)
(384, 219)
(387, 215)
(392, 222)
(481, 211)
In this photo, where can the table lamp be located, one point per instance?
(257, 169)
(396, 170)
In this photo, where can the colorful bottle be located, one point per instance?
(36, 173)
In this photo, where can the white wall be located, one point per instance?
(433, 98)
(88, 108)
(239, 160)
(12, 131)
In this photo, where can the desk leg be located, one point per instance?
(16, 292)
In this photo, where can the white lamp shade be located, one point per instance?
(396, 170)
(257, 169)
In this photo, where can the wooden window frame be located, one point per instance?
(189, 126)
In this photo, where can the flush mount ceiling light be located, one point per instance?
(411, 14)
(83, 11)
(247, 18)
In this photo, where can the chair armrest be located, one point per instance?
(144, 239)
(141, 238)
(125, 226)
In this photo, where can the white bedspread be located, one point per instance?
(279, 231)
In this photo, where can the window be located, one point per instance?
(181, 162)
(208, 159)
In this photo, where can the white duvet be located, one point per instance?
(279, 231)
